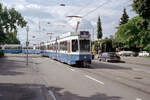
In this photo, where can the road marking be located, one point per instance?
(52, 95)
(138, 99)
(94, 79)
(72, 69)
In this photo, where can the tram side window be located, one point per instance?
(63, 46)
(74, 45)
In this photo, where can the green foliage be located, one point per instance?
(10, 20)
(107, 45)
(136, 32)
(128, 33)
(1, 53)
(147, 48)
(116, 44)
(124, 19)
(133, 35)
(99, 29)
(95, 46)
(142, 7)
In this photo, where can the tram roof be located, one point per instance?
(69, 34)
(13, 45)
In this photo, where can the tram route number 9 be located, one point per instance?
(84, 34)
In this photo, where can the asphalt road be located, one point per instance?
(99, 81)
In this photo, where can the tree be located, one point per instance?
(106, 45)
(10, 20)
(124, 19)
(142, 7)
(99, 29)
(128, 33)
(95, 46)
(132, 35)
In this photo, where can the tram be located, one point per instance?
(12, 48)
(31, 49)
(71, 48)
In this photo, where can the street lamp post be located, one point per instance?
(27, 43)
(93, 32)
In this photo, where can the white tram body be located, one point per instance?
(31, 49)
(71, 48)
(12, 48)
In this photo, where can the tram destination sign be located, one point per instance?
(84, 34)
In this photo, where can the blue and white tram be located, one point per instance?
(75, 48)
(71, 48)
(49, 49)
(36, 49)
(31, 49)
(12, 48)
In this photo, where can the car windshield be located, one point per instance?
(84, 45)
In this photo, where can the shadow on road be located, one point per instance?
(22, 92)
(100, 65)
(12, 63)
(66, 95)
(11, 66)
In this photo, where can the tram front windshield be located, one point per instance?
(84, 45)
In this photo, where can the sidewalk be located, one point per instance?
(137, 60)
(18, 81)
(134, 60)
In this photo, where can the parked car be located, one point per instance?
(144, 53)
(127, 53)
(109, 56)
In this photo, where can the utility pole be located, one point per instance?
(77, 26)
(93, 33)
(27, 44)
(50, 35)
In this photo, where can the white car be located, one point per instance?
(127, 53)
(144, 53)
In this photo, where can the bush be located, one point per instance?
(147, 48)
(1, 53)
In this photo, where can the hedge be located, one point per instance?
(1, 53)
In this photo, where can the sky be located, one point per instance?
(47, 16)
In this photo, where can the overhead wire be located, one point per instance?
(93, 10)
(81, 9)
